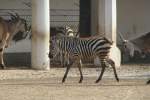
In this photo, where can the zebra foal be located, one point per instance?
(61, 56)
(79, 49)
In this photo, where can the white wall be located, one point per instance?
(64, 4)
(13, 4)
(133, 17)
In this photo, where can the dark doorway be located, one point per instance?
(85, 18)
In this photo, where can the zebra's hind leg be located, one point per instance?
(66, 73)
(2, 66)
(103, 64)
(112, 63)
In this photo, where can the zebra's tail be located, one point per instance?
(108, 40)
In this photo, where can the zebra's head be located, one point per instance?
(54, 50)
(65, 30)
(69, 31)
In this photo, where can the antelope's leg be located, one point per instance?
(8, 38)
(2, 65)
(2, 47)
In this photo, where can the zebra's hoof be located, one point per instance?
(148, 82)
(63, 81)
(97, 81)
(117, 79)
(2, 66)
(80, 81)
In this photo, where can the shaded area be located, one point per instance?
(17, 59)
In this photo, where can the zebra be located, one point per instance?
(62, 56)
(79, 48)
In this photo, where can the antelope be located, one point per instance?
(141, 44)
(12, 29)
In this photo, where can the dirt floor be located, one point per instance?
(25, 84)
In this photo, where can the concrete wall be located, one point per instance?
(133, 17)
(64, 4)
(13, 4)
(64, 12)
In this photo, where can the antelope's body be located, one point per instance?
(8, 29)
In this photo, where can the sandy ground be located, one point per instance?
(25, 84)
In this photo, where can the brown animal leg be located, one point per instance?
(2, 65)
(7, 40)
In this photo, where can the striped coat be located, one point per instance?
(79, 48)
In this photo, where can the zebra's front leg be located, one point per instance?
(62, 58)
(80, 70)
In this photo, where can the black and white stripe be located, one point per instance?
(78, 49)
(61, 56)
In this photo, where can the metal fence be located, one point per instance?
(65, 17)
(24, 13)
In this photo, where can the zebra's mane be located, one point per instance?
(85, 39)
